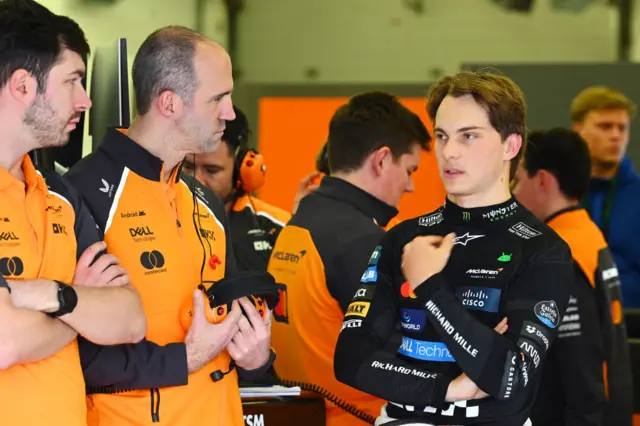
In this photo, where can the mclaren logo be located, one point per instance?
(11, 266)
(153, 261)
(289, 257)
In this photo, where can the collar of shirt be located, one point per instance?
(371, 206)
(482, 216)
(33, 179)
(123, 150)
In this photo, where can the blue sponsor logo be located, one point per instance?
(425, 351)
(412, 320)
(479, 298)
(548, 313)
(375, 256)
(370, 275)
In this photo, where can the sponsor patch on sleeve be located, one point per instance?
(375, 256)
(370, 275)
(530, 350)
(547, 312)
(534, 332)
(353, 323)
(365, 293)
(358, 309)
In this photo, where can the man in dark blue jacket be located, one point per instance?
(602, 115)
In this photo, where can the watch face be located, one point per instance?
(69, 298)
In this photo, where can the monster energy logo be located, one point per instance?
(466, 216)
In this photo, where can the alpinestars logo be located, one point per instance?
(464, 239)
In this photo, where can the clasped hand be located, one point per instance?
(246, 340)
(41, 295)
(424, 257)
(251, 345)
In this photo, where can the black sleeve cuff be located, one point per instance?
(177, 353)
(430, 286)
(258, 373)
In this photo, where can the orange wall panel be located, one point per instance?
(291, 132)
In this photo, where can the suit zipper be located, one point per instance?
(155, 405)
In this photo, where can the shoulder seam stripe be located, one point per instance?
(61, 197)
(271, 218)
(116, 199)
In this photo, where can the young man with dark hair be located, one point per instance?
(602, 116)
(173, 236)
(589, 362)
(374, 147)
(457, 276)
(56, 283)
(233, 172)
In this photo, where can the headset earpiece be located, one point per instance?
(250, 170)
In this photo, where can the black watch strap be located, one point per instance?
(67, 298)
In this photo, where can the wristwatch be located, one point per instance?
(68, 299)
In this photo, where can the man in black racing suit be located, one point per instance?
(451, 290)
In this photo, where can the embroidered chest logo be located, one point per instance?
(464, 239)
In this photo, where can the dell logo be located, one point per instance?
(140, 231)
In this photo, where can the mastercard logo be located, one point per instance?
(406, 291)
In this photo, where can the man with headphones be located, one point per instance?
(234, 172)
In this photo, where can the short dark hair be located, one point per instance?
(165, 61)
(236, 132)
(33, 38)
(498, 95)
(368, 122)
(564, 154)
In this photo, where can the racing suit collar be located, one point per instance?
(481, 216)
(124, 150)
(371, 206)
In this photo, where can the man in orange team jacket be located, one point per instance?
(56, 283)
(172, 234)
(374, 148)
(587, 376)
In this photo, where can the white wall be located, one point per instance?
(103, 22)
(383, 41)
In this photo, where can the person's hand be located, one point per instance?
(205, 341)
(105, 271)
(462, 387)
(424, 257)
(305, 188)
(251, 346)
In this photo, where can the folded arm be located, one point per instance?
(360, 359)
(140, 365)
(502, 365)
(104, 315)
(28, 336)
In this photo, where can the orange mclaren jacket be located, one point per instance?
(317, 262)
(255, 225)
(587, 378)
(44, 227)
(170, 237)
